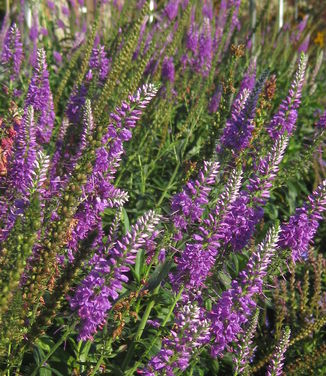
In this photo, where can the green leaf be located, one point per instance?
(45, 343)
(225, 279)
(159, 274)
(139, 265)
(38, 354)
(84, 351)
(49, 369)
(125, 221)
(45, 371)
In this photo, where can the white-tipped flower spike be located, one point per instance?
(39, 173)
(276, 366)
(231, 191)
(261, 182)
(244, 348)
(88, 123)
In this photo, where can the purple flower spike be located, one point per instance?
(261, 182)
(215, 101)
(21, 174)
(40, 97)
(39, 173)
(198, 257)
(205, 49)
(285, 118)
(236, 304)
(100, 62)
(20, 169)
(208, 9)
(302, 226)
(168, 71)
(190, 331)
(322, 121)
(57, 57)
(99, 192)
(171, 9)
(188, 206)
(239, 127)
(94, 297)
(12, 53)
(249, 78)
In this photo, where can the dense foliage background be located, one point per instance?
(162, 188)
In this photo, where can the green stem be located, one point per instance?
(8, 365)
(145, 317)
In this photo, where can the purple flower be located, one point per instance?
(215, 101)
(240, 222)
(297, 234)
(192, 37)
(61, 24)
(304, 45)
(91, 299)
(57, 57)
(168, 69)
(65, 11)
(296, 35)
(100, 62)
(208, 9)
(12, 52)
(220, 23)
(322, 121)
(249, 78)
(260, 182)
(199, 255)
(205, 49)
(171, 9)
(285, 118)
(20, 167)
(51, 4)
(40, 97)
(27, 172)
(76, 103)
(162, 255)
